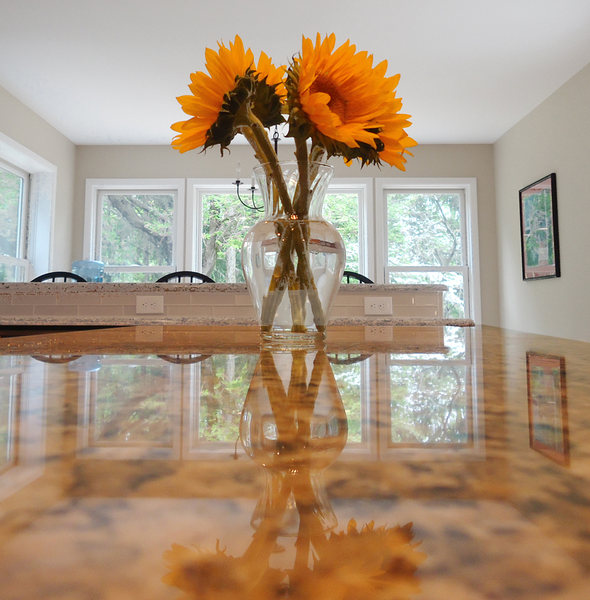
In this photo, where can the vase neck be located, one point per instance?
(310, 207)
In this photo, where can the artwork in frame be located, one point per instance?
(539, 238)
(547, 403)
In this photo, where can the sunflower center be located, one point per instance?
(338, 103)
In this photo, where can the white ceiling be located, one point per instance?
(108, 71)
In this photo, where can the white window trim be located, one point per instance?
(94, 186)
(469, 187)
(42, 192)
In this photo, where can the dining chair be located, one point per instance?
(183, 276)
(355, 277)
(62, 276)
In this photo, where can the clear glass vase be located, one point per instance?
(293, 260)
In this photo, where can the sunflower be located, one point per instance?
(345, 104)
(218, 98)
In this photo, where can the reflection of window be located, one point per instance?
(429, 236)
(131, 407)
(432, 399)
(218, 391)
(9, 398)
(135, 227)
(14, 185)
(429, 405)
(353, 380)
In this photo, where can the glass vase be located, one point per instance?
(293, 260)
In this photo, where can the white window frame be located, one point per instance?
(41, 204)
(92, 220)
(468, 186)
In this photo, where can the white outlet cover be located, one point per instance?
(378, 305)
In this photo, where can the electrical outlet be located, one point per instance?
(149, 305)
(378, 306)
(378, 334)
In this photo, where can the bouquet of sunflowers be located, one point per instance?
(335, 103)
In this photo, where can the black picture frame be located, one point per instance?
(539, 236)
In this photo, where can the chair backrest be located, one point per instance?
(59, 276)
(352, 277)
(180, 276)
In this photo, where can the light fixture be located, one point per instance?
(275, 138)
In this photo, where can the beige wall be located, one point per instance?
(28, 129)
(555, 137)
(428, 161)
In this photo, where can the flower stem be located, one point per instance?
(301, 205)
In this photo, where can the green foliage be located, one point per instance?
(225, 223)
(125, 413)
(424, 229)
(342, 210)
(225, 380)
(538, 229)
(348, 378)
(137, 229)
(11, 187)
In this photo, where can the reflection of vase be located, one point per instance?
(293, 261)
(293, 424)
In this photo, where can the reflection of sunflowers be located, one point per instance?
(374, 562)
(294, 425)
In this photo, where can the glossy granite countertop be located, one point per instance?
(398, 462)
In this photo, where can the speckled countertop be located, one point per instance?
(199, 287)
(177, 462)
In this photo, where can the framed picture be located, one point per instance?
(547, 400)
(539, 240)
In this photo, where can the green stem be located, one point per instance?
(301, 205)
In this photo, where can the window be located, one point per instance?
(135, 228)
(14, 185)
(416, 231)
(219, 223)
(428, 235)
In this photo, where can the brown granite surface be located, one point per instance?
(401, 462)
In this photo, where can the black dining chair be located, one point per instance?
(61, 276)
(352, 277)
(184, 276)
